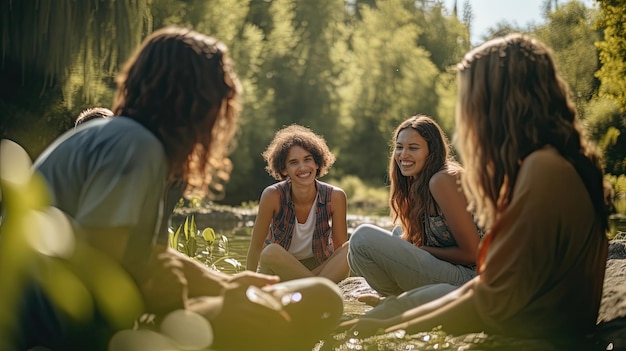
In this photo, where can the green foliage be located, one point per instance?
(394, 79)
(52, 38)
(612, 72)
(350, 71)
(503, 28)
(607, 125)
(619, 192)
(444, 37)
(77, 278)
(570, 34)
(203, 245)
(362, 198)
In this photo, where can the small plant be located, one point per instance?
(203, 245)
(619, 191)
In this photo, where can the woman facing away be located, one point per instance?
(301, 224)
(176, 110)
(537, 183)
(439, 238)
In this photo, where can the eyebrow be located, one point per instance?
(295, 158)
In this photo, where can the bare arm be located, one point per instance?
(268, 206)
(453, 205)
(455, 312)
(340, 210)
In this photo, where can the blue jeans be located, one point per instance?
(392, 265)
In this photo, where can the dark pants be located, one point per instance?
(40, 323)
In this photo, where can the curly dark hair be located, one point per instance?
(409, 197)
(512, 101)
(296, 135)
(180, 84)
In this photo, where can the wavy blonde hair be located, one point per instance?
(180, 84)
(511, 102)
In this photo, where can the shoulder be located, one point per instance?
(549, 181)
(546, 166)
(338, 194)
(136, 133)
(131, 142)
(545, 157)
(444, 179)
(335, 191)
(115, 140)
(271, 191)
(270, 199)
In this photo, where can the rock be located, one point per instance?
(614, 293)
(611, 330)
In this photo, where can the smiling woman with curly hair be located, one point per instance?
(301, 225)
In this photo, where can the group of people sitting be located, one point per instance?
(508, 243)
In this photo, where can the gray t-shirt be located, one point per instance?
(109, 173)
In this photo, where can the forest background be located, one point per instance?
(349, 69)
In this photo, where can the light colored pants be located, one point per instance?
(392, 265)
(394, 305)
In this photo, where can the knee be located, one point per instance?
(363, 236)
(321, 303)
(271, 254)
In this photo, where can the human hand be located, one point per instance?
(241, 320)
(164, 287)
(247, 278)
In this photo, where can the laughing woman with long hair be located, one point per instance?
(438, 239)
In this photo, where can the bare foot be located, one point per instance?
(370, 299)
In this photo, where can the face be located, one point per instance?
(300, 165)
(410, 152)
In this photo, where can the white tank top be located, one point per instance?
(303, 235)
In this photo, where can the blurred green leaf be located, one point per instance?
(209, 235)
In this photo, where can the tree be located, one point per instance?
(56, 51)
(262, 63)
(503, 28)
(612, 74)
(394, 79)
(443, 36)
(569, 33)
(612, 48)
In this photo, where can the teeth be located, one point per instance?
(304, 175)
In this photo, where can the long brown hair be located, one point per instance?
(512, 101)
(410, 199)
(180, 84)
